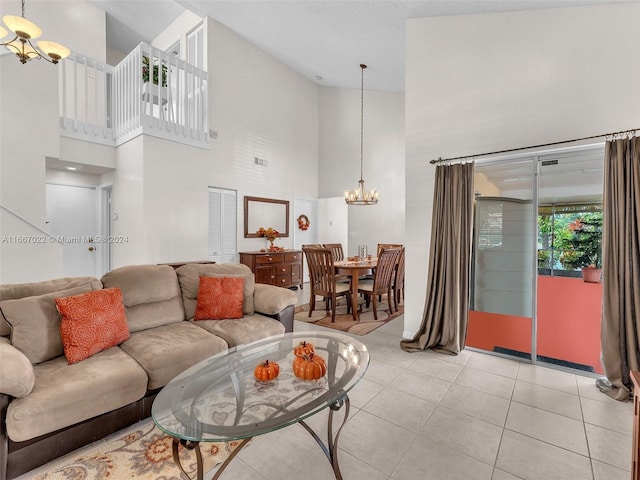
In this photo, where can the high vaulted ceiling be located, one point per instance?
(324, 40)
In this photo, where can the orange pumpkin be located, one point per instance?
(266, 371)
(303, 348)
(309, 367)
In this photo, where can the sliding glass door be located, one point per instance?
(538, 222)
(502, 291)
(569, 238)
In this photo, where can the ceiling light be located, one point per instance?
(359, 195)
(25, 31)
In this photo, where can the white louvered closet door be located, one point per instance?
(222, 225)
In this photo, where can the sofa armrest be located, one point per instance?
(270, 299)
(17, 376)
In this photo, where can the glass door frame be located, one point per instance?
(536, 160)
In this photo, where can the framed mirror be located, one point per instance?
(265, 212)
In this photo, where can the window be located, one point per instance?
(489, 223)
(569, 238)
(222, 225)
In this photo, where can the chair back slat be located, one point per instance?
(382, 246)
(321, 270)
(399, 277)
(385, 269)
(336, 250)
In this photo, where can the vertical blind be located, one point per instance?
(222, 225)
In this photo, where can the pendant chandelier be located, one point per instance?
(25, 31)
(360, 195)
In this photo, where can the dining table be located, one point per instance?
(355, 268)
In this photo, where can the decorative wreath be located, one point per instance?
(303, 222)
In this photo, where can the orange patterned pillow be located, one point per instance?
(92, 322)
(219, 298)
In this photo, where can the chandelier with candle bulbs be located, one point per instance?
(360, 195)
(24, 31)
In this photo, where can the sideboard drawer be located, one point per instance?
(268, 258)
(283, 280)
(293, 257)
(283, 269)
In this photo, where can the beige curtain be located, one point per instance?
(444, 322)
(621, 264)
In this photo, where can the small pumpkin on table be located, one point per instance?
(309, 366)
(267, 370)
(303, 348)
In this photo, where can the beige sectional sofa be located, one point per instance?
(49, 407)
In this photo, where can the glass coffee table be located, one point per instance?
(219, 399)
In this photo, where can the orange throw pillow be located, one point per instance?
(92, 322)
(219, 298)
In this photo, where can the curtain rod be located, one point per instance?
(623, 132)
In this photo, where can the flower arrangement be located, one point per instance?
(269, 233)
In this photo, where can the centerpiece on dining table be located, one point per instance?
(270, 234)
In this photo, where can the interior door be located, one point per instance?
(72, 218)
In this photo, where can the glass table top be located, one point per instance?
(219, 399)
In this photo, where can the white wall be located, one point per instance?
(482, 83)
(333, 221)
(177, 30)
(128, 205)
(26, 137)
(383, 153)
(259, 108)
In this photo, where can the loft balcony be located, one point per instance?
(149, 92)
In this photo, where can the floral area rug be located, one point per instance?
(142, 452)
(344, 321)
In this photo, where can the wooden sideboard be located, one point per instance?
(635, 454)
(283, 269)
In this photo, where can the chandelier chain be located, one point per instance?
(360, 195)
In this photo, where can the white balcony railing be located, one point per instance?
(149, 92)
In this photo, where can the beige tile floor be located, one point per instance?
(472, 416)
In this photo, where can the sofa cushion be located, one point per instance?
(12, 291)
(151, 295)
(168, 350)
(244, 330)
(35, 322)
(189, 277)
(91, 323)
(219, 298)
(66, 394)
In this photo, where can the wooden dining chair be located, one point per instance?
(338, 255)
(382, 278)
(388, 245)
(398, 281)
(336, 250)
(322, 280)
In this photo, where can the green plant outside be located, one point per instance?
(156, 71)
(571, 249)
